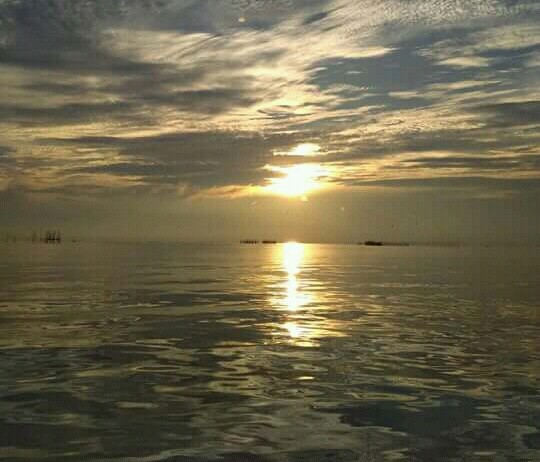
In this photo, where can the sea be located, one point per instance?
(260, 353)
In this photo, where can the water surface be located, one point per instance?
(290, 352)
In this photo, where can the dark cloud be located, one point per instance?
(57, 88)
(451, 140)
(513, 113)
(453, 182)
(65, 38)
(7, 159)
(132, 108)
(203, 146)
(315, 17)
(512, 58)
(500, 163)
(203, 160)
(6, 151)
(58, 35)
(209, 16)
(67, 114)
(207, 101)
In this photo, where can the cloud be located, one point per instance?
(180, 94)
(5, 152)
(515, 113)
(74, 113)
(200, 159)
(467, 61)
(453, 183)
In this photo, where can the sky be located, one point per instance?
(320, 120)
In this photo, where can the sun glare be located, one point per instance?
(296, 180)
(302, 150)
(293, 254)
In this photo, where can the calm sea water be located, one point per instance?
(269, 353)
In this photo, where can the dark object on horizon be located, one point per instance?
(52, 237)
(380, 243)
(269, 242)
(249, 241)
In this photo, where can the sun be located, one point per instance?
(302, 150)
(296, 180)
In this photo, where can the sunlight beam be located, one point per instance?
(296, 180)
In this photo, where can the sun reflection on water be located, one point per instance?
(305, 319)
(294, 299)
(293, 254)
(295, 331)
